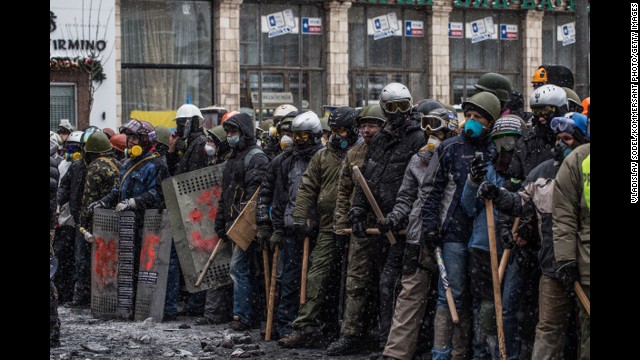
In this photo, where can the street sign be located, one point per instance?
(413, 28)
(508, 32)
(456, 30)
(312, 26)
(481, 29)
(384, 26)
(568, 33)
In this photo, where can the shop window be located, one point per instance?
(555, 51)
(62, 105)
(377, 58)
(469, 58)
(167, 54)
(279, 62)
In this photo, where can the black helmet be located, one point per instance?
(425, 106)
(497, 84)
(345, 117)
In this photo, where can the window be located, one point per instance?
(396, 58)
(469, 61)
(167, 54)
(285, 68)
(554, 52)
(62, 105)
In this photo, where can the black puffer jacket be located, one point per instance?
(384, 166)
(194, 156)
(273, 194)
(72, 187)
(54, 176)
(238, 183)
(532, 148)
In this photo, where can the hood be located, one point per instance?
(245, 124)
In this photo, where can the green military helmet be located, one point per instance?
(372, 112)
(217, 133)
(486, 102)
(265, 125)
(497, 84)
(162, 134)
(325, 123)
(97, 142)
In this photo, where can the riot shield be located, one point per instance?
(192, 202)
(154, 265)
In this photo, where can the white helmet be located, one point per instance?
(75, 136)
(188, 111)
(284, 110)
(395, 92)
(65, 123)
(549, 95)
(308, 122)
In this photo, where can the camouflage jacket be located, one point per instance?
(344, 198)
(102, 176)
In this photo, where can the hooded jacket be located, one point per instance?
(194, 156)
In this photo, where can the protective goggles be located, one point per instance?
(394, 106)
(434, 123)
(504, 143)
(563, 124)
(544, 111)
(340, 132)
(301, 135)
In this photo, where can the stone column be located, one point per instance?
(227, 54)
(337, 23)
(438, 33)
(532, 55)
(118, 53)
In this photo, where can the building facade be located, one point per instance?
(259, 54)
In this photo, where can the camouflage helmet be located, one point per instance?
(372, 112)
(162, 134)
(497, 84)
(97, 142)
(486, 102)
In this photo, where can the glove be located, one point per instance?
(126, 204)
(488, 190)
(432, 240)
(385, 225)
(341, 240)
(301, 228)
(506, 236)
(411, 258)
(276, 238)
(96, 205)
(263, 235)
(478, 170)
(567, 273)
(357, 218)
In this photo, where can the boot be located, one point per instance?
(345, 345)
(310, 336)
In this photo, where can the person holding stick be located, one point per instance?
(446, 224)
(317, 196)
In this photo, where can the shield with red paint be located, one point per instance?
(192, 201)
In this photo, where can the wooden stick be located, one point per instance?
(373, 231)
(265, 268)
(209, 262)
(372, 201)
(272, 294)
(584, 300)
(497, 297)
(445, 284)
(305, 264)
(505, 255)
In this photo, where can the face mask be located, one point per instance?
(473, 128)
(433, 142)
(339, 142)
(561, 151)
(134, 152)
(210, 150)
(233, 140)
(183, 129)
(503, 159)
(286, 143)
(396, 119)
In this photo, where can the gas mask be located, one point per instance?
(134, 152)
(286, 143)
(433, 142)
(210, 150)
(473, 128)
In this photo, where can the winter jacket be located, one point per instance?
(71, 188)
(291, 172)
(272, 198)
(102, 176)
(571, 213)
(63, 166)
(194, 156)
(475, 208)
(344, 194)
(532, 148)
(441, 210)
(406, 212)
(387, 158)
(240, 183)
(53, 189)
(140, 179)
(319, 187)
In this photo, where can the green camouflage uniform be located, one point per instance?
(102, 176)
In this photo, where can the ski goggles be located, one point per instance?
(301, 135)
(563, 124)
(340, 131)
(392, 107)
(434, 123)
(504, 143)
(544, 111)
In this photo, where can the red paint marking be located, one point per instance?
(216, 190)
(202, 244)
(106, 260)
(205, 198)
(148, 253)
(195, 216)
(213, 212)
